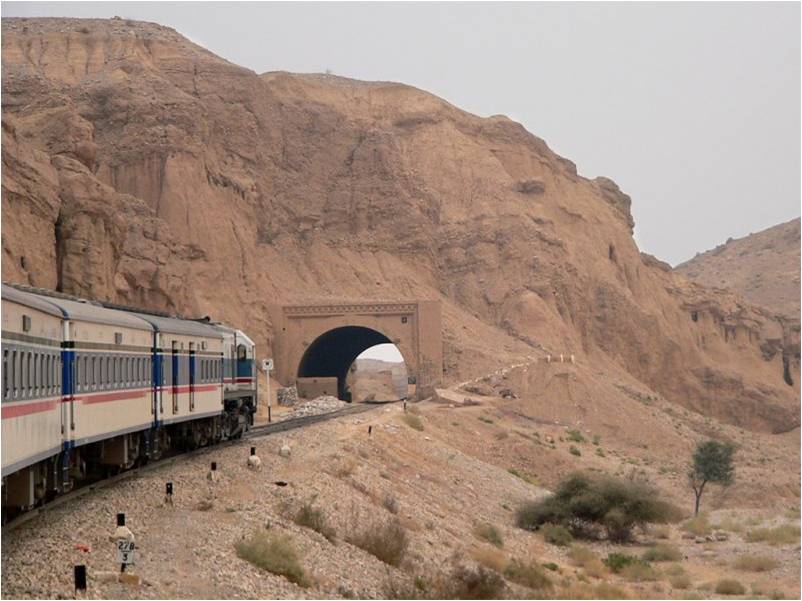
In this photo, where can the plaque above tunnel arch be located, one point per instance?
(318, 339)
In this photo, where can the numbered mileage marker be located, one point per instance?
(125, 552)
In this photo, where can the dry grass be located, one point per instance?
(639, 572)
(787, 534)
(313, 518)
(488, 533)
(386, 541)
(413, 421)
(728, 586)
(346, 467)
(274, 553)
(603, 590)
(755, 563)
(530, 575)
(490, 557)
(586, 559)
(698, 526)
(662, 552)
(468, 583)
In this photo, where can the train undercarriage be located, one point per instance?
(41, 482)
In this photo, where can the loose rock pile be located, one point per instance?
(287, 397)
(322, 404)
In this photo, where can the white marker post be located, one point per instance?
(267, 366)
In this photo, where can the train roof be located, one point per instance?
(30, 300)
(186, 327)
(94, 313)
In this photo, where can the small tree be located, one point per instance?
(712, 462)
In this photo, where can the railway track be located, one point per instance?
(254, 433)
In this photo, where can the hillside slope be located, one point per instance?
(140, 168)
(762, 267)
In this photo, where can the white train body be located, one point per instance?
(89, 388)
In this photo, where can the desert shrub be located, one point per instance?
(390, 503)
(345, 468)
(639, 571)
(488, 533)
(386, 541)
(587, 560)
(786, 534)
(468, 583)
(556, 535)
(616, 562)
(551, 566)
(490, 557)
(313, 518)
(661, 532)
(680, 581)
(527, 574)
(756, 563)
(605, 590)
(662, 552)
(274, 553)
(698, 525)
(574, 451)
(574, 436)
(584, 503)
(600, 452)
(413, 421)
(728, 586)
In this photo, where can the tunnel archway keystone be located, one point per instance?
(323, 339)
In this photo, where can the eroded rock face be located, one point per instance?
(142, 169)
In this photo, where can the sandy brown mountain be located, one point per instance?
(761, 267)
(140, 168)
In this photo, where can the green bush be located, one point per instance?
(488, 533)
(662, 552)
(585, 503)
(728, 586)
(386, 541)
(527, 574)
(274, 553)
(575, 436)
(556, 535)
(574, 451)
(313, 518)
(616, 562)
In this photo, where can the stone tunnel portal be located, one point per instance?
(322, 340)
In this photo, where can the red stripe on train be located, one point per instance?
(28, 408)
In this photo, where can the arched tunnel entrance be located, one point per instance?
(332, 354)
(322, 340)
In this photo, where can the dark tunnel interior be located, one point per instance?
(332, 353)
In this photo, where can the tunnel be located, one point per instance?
(332, 353)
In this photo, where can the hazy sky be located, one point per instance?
(694, 109)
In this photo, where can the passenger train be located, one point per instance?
(92, 388)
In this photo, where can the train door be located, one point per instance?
(192, 376)
(174, 374)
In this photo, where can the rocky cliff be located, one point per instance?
(762, 267)
(140, 168)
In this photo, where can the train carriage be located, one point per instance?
(31, 408)
(106, 392)
(188, 376)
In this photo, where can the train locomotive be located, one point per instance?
(91, 388)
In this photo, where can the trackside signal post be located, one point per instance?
(267, 367)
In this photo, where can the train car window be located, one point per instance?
(40, 376)
(15, 373)
(23, 373)
(5, 374)
(85, 372)
(106, 372)
(116, 379)
(46, 374)
(35, 374)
